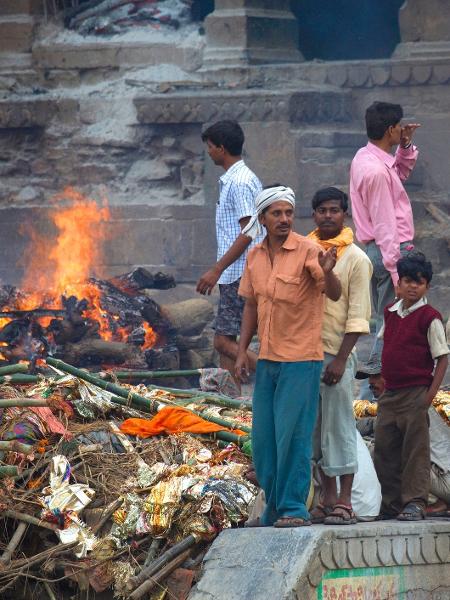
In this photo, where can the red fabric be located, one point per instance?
(172, 419)
(406, 360)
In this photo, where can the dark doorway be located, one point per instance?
(347, 29)
(338, 29)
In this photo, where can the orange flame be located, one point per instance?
(62, 263)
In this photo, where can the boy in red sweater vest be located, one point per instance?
(414, 346)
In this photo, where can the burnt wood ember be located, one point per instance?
(140, 279)
(25, 339)
(131, 309)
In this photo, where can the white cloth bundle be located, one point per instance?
(262, 201)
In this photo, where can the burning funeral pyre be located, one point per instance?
(62, 310)
(104, 484)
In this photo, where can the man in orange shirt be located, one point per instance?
(283, 284)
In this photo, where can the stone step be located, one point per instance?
(16, 33)
(86, 54)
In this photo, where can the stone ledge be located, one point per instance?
(290, 564)
(309, 105)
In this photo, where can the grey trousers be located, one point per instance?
(382, 288)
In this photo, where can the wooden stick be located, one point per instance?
(18, 516)
(107, 513)
(148, 585)
(160, 562)
(49, 591)
(13, 543)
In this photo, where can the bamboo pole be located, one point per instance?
(17, 368)
(125, 375)
(21, 402)
(15, 446)
(209, 397)
(8, 471)
(19, 378)
(139, 400)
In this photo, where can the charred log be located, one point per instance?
(93, 351)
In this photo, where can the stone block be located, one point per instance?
(111, 54)
(15, 7)
(16, 33)
(254, 32)
(425, 21)
(149, 170)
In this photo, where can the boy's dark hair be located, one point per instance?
(415, 265)
(228, 134)
(330, 193)
(380, 116)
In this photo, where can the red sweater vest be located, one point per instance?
(406, 360)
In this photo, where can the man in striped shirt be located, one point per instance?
(239, 187)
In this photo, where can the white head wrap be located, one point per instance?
(262, 201)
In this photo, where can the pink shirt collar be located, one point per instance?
(387, 158)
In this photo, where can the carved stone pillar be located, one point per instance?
(424, 29)
(241, 32)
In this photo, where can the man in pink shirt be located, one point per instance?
(381, 208)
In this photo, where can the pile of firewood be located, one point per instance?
(131, 316)
(115, 16)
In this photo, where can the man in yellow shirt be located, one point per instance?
(344, 321)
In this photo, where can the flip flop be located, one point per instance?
(412, 512)
(342, 514)
(291, 522)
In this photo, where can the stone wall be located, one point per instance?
(132, 133)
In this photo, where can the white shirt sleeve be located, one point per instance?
(380, 334)
(436, 339)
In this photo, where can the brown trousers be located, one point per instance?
(402, 448)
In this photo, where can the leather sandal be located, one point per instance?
(319, 513)
(342, 514)
(292, 522)
(412, 512)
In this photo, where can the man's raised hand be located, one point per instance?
(407, 134)
(327, 260)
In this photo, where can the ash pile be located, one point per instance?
(109, 17)
(108, 485)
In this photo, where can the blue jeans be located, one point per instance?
(285, 404)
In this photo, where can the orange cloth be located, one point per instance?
(289, 298)
(340, 242)
(172, 419)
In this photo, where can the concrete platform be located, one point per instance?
(382, 560)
